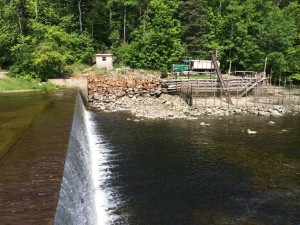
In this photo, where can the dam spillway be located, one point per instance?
(49, 166)
(81, 197)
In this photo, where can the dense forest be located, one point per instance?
(41, 38)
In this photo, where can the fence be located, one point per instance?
(242, 92)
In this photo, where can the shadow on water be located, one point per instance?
(17, 112)
(179, 172)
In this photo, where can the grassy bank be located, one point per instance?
(12, 84)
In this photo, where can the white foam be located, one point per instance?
(100, 173)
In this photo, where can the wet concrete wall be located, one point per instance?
(79, 83)
(76, 199)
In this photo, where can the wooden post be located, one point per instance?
(205, 93)
(246, 96)
(255, 92)
(274, 92)
(220, 78)
(283, 95)
(220, 97)
(298, 98)
(229, 94)
(266, 97)
(214, 94)
(237, 98)
(290, 92)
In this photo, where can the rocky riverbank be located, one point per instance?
(173, 107)
(143, 96)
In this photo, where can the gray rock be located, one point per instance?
(237, 111)
(264, 113)
(209, 110)
(275, 113)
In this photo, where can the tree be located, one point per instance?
(245, 32)
(8, 31)
(193, 16)
(278, 40)
(39, 34)
(46, 54)
(158, 44)
(47, 43)
(293, 52)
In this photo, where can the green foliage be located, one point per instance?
(40, 41)
(156, 44)
(8, 30)
(164, 72)
(193, 15)
(39, 38)
(24, 83)
(277, 62)
(295, 77)
(45, 54)
(246, 32)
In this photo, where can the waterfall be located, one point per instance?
(81, 198)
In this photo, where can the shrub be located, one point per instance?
(47, 54)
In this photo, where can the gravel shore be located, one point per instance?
(173, 107)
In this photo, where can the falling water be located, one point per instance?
(82, 200)
(122, 171)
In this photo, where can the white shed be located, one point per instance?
(104, 60)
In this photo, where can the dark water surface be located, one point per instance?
(179, 172)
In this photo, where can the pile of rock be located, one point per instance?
(164, 107)
(108, 89)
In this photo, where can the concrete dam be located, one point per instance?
(46, 161)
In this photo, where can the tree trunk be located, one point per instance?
(20, 23)
(110, 15)
(80, 16)
(124, 25)
(36, 9)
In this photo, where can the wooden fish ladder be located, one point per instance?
(220, 78)
(247, 89)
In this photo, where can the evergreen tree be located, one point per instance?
(193, 16)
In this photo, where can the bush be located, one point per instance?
(295, 77)
(164, 72)
(47, 54)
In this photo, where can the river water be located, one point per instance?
(169, 172)
(181, 172)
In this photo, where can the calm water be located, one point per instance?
(179, 172)
(34, 135)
